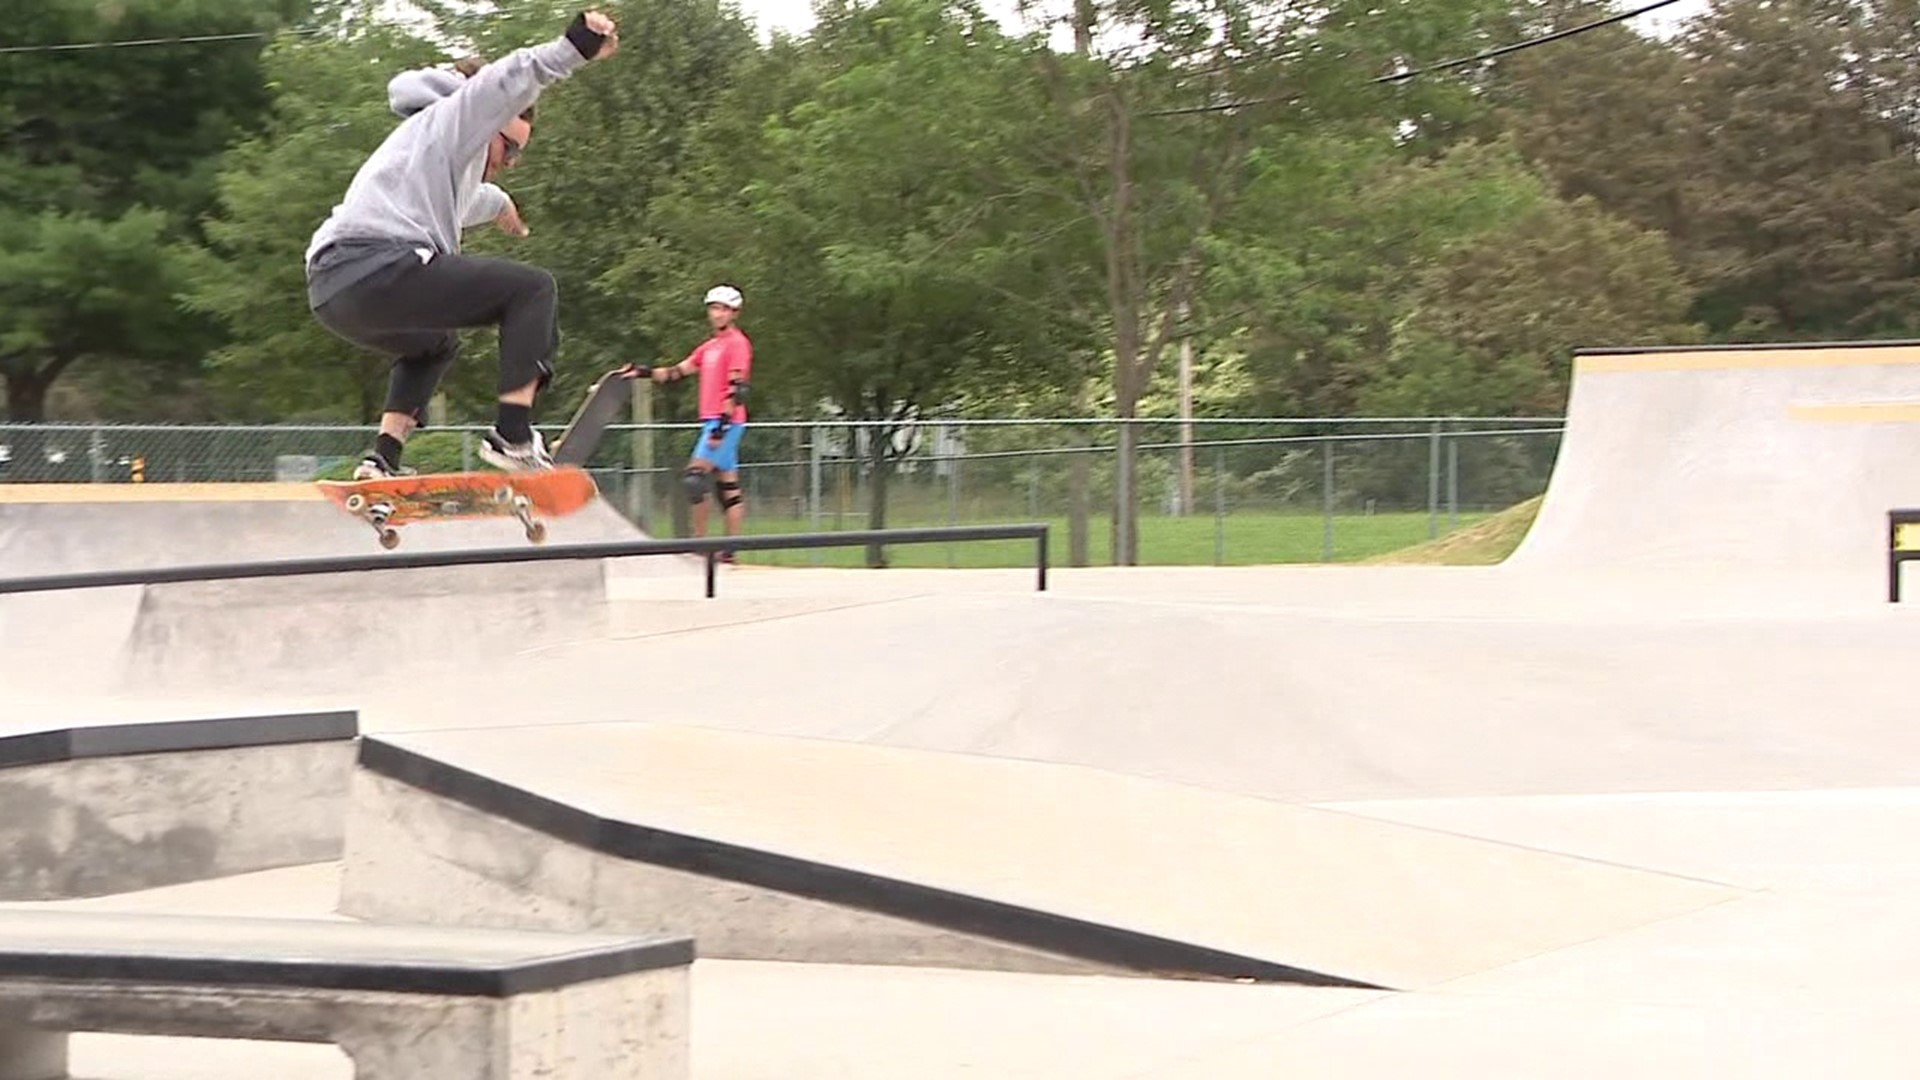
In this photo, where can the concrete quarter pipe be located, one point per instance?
(1746, 458)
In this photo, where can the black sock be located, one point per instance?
(515, 422)
(389, 449)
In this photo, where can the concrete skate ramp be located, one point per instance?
(1751, 458)
(814, 850)
(70, 528)
(1292, 690)
(274, 632)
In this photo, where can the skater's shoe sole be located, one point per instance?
(513, 462)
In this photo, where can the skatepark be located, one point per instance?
(1639, 800)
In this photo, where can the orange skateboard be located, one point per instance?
(388, 504)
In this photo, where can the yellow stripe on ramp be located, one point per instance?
(1752, 359)
(1865, 412)
(148, 493)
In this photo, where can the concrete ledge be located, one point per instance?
(224, 733)
(742, 903)
(423, 1003)
(94, 811)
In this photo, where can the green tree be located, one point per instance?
(1490, 325)
(330, 111)
(1802, 190)
(1161, 135)
(603, 142)
(108, 155)
(870, 219)
(77, 288)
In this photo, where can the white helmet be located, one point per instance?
(724, 294)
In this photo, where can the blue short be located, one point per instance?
(726, 456)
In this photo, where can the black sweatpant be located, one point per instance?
(410, 311)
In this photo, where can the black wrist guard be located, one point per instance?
(584, 40)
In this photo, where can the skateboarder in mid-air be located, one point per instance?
(724, 363)
(384, 271)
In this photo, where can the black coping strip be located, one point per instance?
(958, 912)
(174, 736)
(1767, 346)
(445, 980)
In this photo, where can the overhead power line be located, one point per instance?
(88, 46)
(1444, 65)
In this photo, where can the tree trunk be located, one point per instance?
(880, 446)
(27, 396)
(1126, 493)
(1124, 288)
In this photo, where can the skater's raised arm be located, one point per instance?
(508, 87)
(489, 202)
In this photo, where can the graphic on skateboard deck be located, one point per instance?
(389, 504)
(605, 401)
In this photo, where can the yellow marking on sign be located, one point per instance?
(1906, 537)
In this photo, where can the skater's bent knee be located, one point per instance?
(541, 282)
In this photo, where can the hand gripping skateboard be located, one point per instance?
(389, 504)
(603, 406)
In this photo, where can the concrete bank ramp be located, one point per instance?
(1778, 459)
(810, 850)
(71, 528)
(298, 632)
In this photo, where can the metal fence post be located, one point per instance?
(953, 500)
(1453, 482)
(1219, 505)
(1326, 499)
(813, 489)
(1433, 481)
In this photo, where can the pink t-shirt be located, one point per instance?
(720, 359)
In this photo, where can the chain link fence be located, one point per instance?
(1228, 491)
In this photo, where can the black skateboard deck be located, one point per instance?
(605, 403)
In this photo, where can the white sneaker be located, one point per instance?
(515, 457)
(375, 467)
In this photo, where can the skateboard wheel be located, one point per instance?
(356, 502)
(503, 495)
(389, 538)
(537, 532)
(522, 503)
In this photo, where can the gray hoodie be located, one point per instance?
(423, 185)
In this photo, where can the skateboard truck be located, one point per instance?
(522, 509)
(375, 515)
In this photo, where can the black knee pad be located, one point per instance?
(696, 481)
(730, 496)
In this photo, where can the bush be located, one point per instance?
(429, 452)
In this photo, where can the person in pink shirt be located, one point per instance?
(724, 363)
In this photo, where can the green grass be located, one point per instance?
(1239, 539)
(1484, 543)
